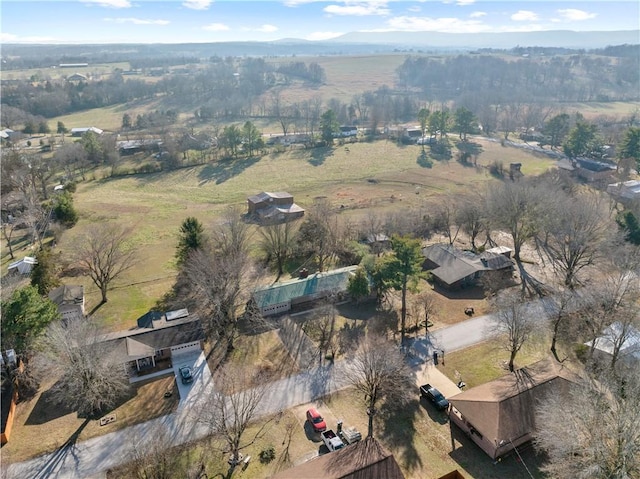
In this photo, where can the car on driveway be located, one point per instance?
(430, 393)
(186, 375)
(316, 421)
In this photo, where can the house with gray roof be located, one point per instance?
(162, 337)
(281, 297)
(454, 268)
(70, 301)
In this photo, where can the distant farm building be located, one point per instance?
(77, 77)
(273, 207)
(82, 131)
(130, 147)
(588, 169)
(73, 65)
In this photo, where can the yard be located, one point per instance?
(43, 424)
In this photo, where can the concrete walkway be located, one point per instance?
(92, 457)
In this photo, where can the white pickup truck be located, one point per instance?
(331, 440)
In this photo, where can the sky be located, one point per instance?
(188, 21)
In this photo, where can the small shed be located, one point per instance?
(23, 266)
(82, 131)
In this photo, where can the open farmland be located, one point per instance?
(379, 176)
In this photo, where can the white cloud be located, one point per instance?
(478, 14)
(267, 29)
(197, 4)
(422, 24)
(216, 27)
(358, 9)
(11, 38)
(414, 9)
(463, 3)
(574, 15)
(137, 21)
(524, 16)
(109, 3)
(316, 36)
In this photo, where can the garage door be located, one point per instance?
(186, 348)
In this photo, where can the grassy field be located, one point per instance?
(54, 72)
(379, 176)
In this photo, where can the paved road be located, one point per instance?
(92, 457)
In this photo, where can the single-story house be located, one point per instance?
(168, 335)
(588, 169)
(625, 190)
(280, 297)
(454, 268)
(500, 415)
(605, 344)
(363, 460)
(77, 77)
(70, 301)
(273, 207)
(24, 265)
(130, 147)
(82, 131)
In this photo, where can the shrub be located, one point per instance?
(497, 169)
(268, 454)
(64, 211)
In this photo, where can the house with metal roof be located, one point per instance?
(625, 190)
(280, 297)
(24, 265)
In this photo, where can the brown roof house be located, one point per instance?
(500, 415)
(365, 459)
(454, 268)
(273, 207)
(70, 301)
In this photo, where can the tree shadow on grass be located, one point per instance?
(224, 170)
(424, 160)
(319, 155)
(50, 406)
(399, 428)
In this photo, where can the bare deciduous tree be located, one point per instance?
(513, 323)
(277, 243)
(520, 208)
(229, 410)
(423, 308)
(594, 432)
(104, 255)
(471, 216)
(93, 377)
(379, 372)
(574, 234)
(317, 235)
(224, 274)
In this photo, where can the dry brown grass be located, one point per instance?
(42, 424)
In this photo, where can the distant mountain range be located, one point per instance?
(350, 43)
(506, 40)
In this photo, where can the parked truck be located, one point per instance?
(430, 393)
(331, 440)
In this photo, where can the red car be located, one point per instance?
(315, 419)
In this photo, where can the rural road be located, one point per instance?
(92, 458)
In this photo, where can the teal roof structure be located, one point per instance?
(335, 280)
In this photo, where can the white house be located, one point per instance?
(82, 131)
(629, 350)
(23, 266)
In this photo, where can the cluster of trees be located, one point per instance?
(574, 78)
